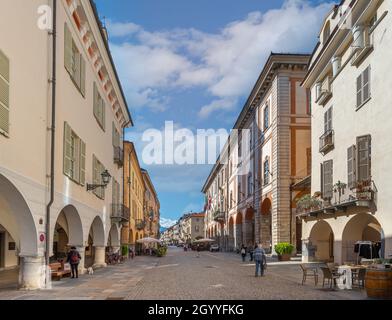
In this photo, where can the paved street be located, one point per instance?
(181, 275)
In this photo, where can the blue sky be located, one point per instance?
(194, 63)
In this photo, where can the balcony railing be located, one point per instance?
(118, 156)
(120, 213)
(327, 141)
(218, 216)
(140, 224)
(364, 195)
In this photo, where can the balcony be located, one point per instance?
(140, 224)
(363, 195)
(362, 45)
(327, 141)
(118, 156)
(323, 97)
(120, 213)
(218, 216)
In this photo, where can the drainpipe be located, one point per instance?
(53, 131)
(123, 179)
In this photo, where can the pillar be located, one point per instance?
(32, 273)
(81, 268)
(99, 261)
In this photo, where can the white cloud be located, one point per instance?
(167, 223)
(226, 64)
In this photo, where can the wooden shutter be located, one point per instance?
(328, 179)
(95, 174)
(82, 175)
(77, 67)
(102, 190)
(4, 93)
(329, 119)
(366, 84)
(67, 156)
(351, 167)
(364, 158)
(359, 91)
(82, 75)
(68, 52)
(322, 180)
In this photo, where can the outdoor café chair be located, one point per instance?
(329, 275)
(359, 277)
(309, 272)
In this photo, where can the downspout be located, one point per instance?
(123, 179)
(53, 130)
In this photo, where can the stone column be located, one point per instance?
(32, 273)
(99, 258)
(81, 268)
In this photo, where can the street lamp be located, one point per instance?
(105, 180)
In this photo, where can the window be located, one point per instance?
(364, 157)
(115, 192)
(266, 171)
(250, 183)
(328, 120)
(266, 117)
(116, 136)
(363, 87)
(327, 179)
(98, 168)
(74, 157)
(239, 192)
(74, 62)
(99, 108)
(4, 94)
(351, 166)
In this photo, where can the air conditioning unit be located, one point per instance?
(361, 45)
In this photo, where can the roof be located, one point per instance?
(101, 29)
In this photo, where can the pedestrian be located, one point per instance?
(243, 253)
(131, 253)
(73, 259)
(251, 251)
(198, 251)
(260, 260)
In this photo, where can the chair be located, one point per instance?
(309, 272)
(359, 277)
(330, 276)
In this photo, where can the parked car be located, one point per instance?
(214, 247)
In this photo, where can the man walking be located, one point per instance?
(74, 259)
(243, 253)
(260, 259)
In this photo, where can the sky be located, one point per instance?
(195, 63)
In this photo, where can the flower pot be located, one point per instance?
(284, 257)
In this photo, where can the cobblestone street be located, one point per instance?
(181, 275)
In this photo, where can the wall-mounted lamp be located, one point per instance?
(105, 180)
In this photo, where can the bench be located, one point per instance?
(58, 271)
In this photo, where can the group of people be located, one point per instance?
(257, 254)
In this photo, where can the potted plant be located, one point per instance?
(284, 251)
(161, 251)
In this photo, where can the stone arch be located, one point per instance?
(238, 234)
(131, 237)
(95, 250)
(231, 234)
(249, 227)
(114, 237)
(321, 242)
(266, 224)
(361, 227)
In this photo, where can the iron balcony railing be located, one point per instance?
(218, 216)
(327, 141)
(363, 194)
(120, 213)
(118, 156)
(140, 224)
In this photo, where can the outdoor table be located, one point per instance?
(345, 280)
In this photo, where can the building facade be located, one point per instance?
(249, 194)
(192, 227)
(53, 192)
(151, 208)
(134, 191)
(348, 76)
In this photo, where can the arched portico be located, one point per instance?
(238, 231)
(266, 225)
(249, 226)
(231, 241)
(95, 250)
(114, 244)
(321, 242)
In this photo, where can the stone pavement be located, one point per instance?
(183, 276)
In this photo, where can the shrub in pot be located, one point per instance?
(284, 251)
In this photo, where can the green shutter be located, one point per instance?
(82, 76)
(82, 175)
(95, 174)
(351, 167)
(77, 67)
(68, 49)
(328, 179)
(67, 157)
(4, 93)
(359, 91)
(364, 158)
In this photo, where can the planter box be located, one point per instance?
(284, 257)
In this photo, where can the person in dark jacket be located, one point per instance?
(260, 260)
(73, 259)
(243, 253)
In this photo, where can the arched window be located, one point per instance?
(266, 171)
(326, 32)
(266, 117)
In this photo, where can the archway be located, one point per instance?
(238, 231)
(95, 250)
(250, 228)
(18, 234)
(321, 242)
(231, 234)
(266, 225)
(113, 239)
(362, 227)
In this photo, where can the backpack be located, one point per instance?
(74, 258)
